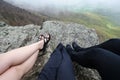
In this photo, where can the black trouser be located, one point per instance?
(112, 45)
(59, 66)
(104, 57)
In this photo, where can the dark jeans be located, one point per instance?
(59, 66)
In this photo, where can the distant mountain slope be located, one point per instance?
(104, 27)
(113, 15)
(15, 16)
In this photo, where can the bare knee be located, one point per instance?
(4, 64)
(18, 72)
(13, 73)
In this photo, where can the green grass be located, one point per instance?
(104, 27)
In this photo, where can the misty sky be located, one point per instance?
(67, 3)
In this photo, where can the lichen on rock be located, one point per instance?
(17, 36)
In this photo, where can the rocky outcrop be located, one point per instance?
(17, 36)
(2, 24)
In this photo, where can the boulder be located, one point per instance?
(17, 36)
(2, 24)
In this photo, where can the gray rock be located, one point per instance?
(2, 24)
(17, 36)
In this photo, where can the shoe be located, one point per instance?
(76, 47)
(46, 39)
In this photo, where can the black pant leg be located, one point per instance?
(111, 45)
(59, 66)
(107, 63)
(65, 71)
(49, 72)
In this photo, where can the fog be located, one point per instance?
(55, 8)
(66, 4)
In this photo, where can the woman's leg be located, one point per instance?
(111, 45)
(17, 72)
(18, 56)
(107, 63)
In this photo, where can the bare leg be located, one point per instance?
(18, 56)
(16, 72)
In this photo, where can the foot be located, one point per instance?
(75, 56)
(46, 39)
(76, 47)
(71, 52)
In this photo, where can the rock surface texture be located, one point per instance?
(17, 36)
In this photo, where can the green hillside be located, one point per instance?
(104, 27)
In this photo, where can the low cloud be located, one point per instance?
(65, 4)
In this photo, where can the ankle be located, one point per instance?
(40, 44)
